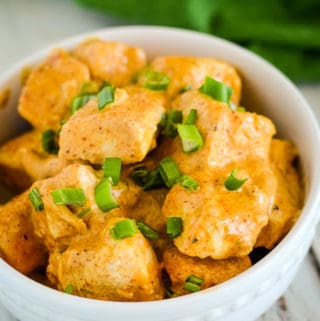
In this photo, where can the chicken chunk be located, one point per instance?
(228, 136)
(23, 161)
(57, 224)
(46, 98)
(179, 267)
(148, 209)
(125, 128)
(190, 72)
(19, 246)
(288, 201)
(112, 62)
(98, 266)
(219, 223)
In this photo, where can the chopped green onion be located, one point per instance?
(104, 197)
(194, 279)
(232, 183)
(123, 229)
(84, 212)
(36, 200)
(174, 226)
(155, 80)
(188, 182)
(69, 196)
(49, 141)
(69, 289)
(171, 118)
(192, 117)
(140, 175)
(193, 283)
(147, 231)
(191, 287)
(163, 119)
(216, 89)
(90, 87)
(169, 171)
(153, 180)
(112, 168)
(79, 101)
(147, 180)
(190, 137)
(62, 122)
(105, 96)
(241, 109)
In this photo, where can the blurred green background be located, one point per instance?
(285, 32)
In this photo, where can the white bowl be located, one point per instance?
(242, 298)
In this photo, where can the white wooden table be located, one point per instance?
(26, 26)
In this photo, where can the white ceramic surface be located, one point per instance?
(242, 298)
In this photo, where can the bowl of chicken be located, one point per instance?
(154, 174)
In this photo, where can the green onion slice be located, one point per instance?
(153, 180)
(216, 90)
(139, 175)
(169, 171)
(232, 183)
(147, 180)
(104, 197)
(193, 283)
(79, 101)
(240, 109)
(105, 96)
(191, 287)
(69, 289)
(190, 138)
(188, 182)
(36, 200)
(194, 279)
(112, 168)
(192, 117)
(169, 121)
(163, 119)
(147, 231)
(174, 226)
(84, 212)
(69, 196)
(89, 87)
(155, 80)
(49, 141)
(123, 229)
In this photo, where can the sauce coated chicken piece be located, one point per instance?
(148, 209)
(288, 201)
(19, 246)
(57, 224)
(23, 161)
(219, 223)
(100, 267)
(125, 128)
(179, 267)
(112, 62)
(228, 136)
(46, 98)
(190, 72)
